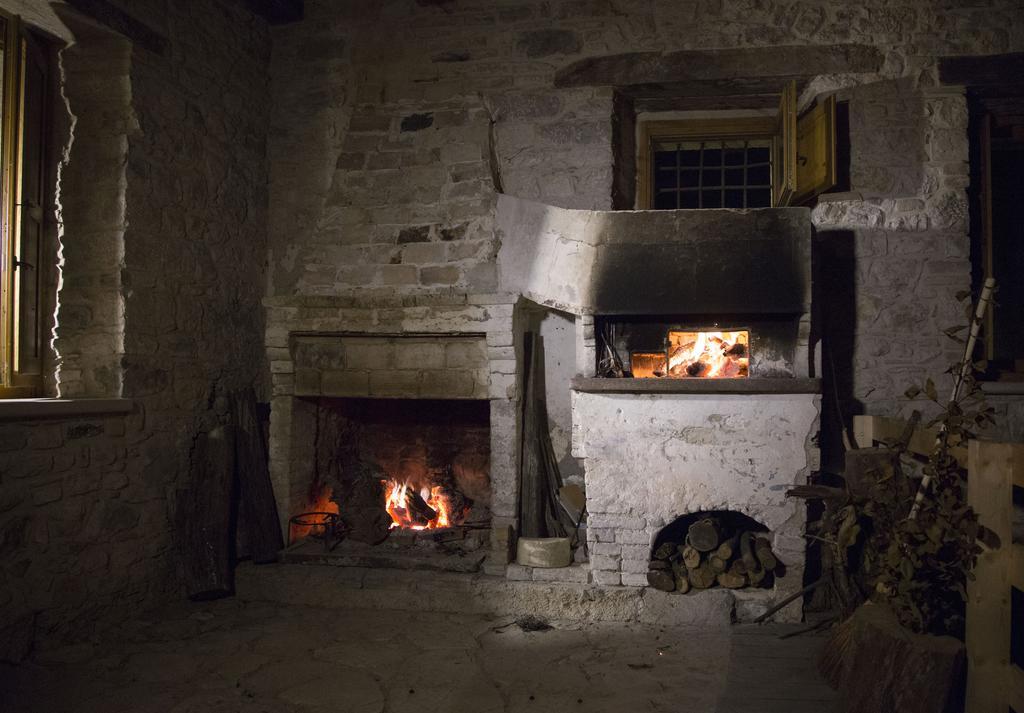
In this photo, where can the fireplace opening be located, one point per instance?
(696, 354)
(697, 346)
(408, 474)
(715, 548)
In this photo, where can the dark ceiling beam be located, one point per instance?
(278, 12)
(116, 19)
(993, 74)
(706, 72)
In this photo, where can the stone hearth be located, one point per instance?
(325, 349)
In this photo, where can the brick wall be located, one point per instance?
(436, 367)
(177, 237)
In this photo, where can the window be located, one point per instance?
(738, 162)
(23, 190)
(998, 227)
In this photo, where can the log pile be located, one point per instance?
(712, 555)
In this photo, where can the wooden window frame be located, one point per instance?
(16, 379)
(803, 147)
(754, 128)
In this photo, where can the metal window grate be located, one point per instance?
(712, 174)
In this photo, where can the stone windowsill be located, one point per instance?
(696, 386)
(31, 409)
(1002, 388)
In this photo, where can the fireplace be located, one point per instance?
(389, 468)
(393, 428)
(695, 346)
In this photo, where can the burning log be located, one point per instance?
(417, 509)
(695, 368)
(705, 534)
(363, 512)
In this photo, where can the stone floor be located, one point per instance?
(258, 657)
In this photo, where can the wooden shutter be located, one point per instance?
(784, 149)
(29, 209)
(816, 151)
(10, 77)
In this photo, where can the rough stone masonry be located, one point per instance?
(188, 191)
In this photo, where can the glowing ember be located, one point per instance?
(708, 355)
(416, 509)
(646, 365)
(318, 502)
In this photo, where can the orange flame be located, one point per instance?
(319, 501)
(398, 499)
(708, 355)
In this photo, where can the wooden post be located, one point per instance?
(993, 683)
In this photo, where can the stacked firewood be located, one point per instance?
(712, 555)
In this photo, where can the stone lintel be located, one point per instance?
(781, 63)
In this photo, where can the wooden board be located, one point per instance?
(255, 492)
(208, 516)
(992, 682)
(868, 430)
(816, 151)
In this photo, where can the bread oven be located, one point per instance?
(696, 389)
(701, 398)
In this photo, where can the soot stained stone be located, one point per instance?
(417, 122)
(455, 232)
(417, 234)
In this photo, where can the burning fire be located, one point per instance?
(318, 502)
(708, 355)
(647, 365)
(423, 509)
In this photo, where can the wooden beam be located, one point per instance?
(780, 63)
(116, 19)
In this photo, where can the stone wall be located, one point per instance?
(174, 236)
(388, 147)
